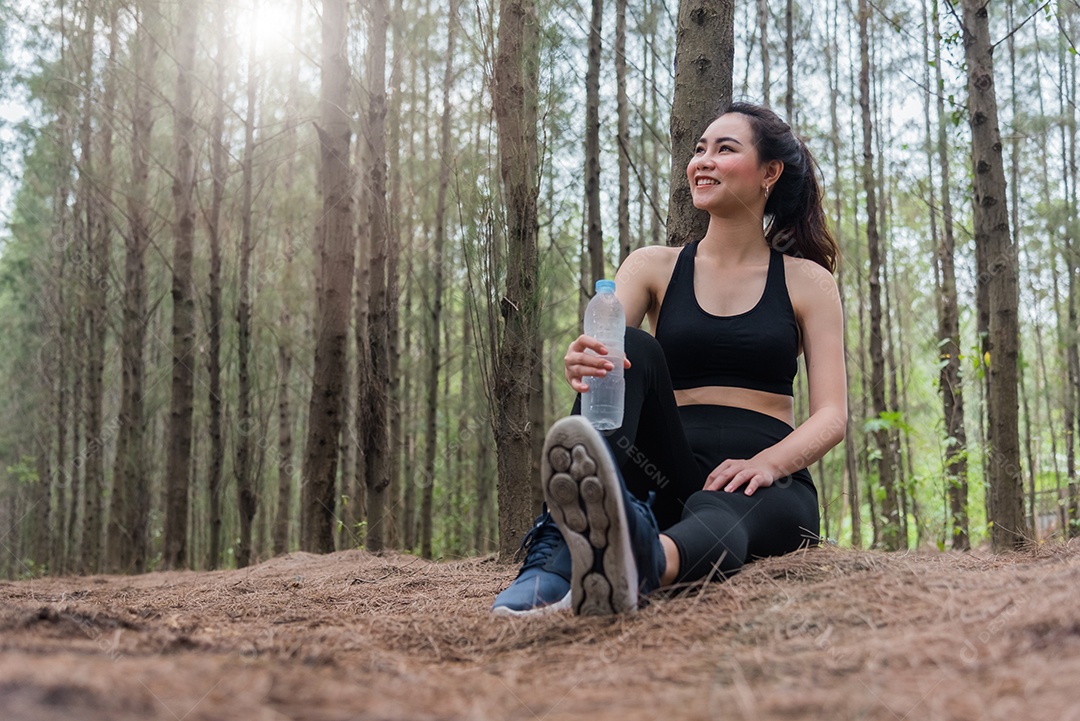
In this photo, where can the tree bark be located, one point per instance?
(594, 235)
(704, 57)
(336, 263)
(218, 171)
(438, 267)
(622, 110)
(130, 502)
(94, 481)
(950, 383)
(285, 440)
(890, 536)
(376, 399)
(178, 473)
(515, 97)
(789, 61)
(246, 426)
(994, 242)
(763, 28)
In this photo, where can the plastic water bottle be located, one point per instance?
(602, 405)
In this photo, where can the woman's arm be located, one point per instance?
(634, 287)
(819, 313)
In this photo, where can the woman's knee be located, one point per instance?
(703, 504)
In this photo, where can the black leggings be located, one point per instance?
(671, 450)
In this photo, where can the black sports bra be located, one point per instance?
(757, 349)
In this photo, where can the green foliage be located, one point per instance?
(887, 421)
(25, 471)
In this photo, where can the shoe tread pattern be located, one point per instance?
(584, 494)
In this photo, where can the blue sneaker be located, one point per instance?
(543, 584)
(613, 538)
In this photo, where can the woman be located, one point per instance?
(709, 426)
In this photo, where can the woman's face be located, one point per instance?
(725, 174)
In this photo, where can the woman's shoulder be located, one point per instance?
(808, 281)
(653, 262)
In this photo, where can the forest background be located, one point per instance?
(191, 242)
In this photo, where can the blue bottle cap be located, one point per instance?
(602, 285)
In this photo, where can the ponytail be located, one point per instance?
(796, 219)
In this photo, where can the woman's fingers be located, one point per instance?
(578, 363)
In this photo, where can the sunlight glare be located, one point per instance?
(269, 26)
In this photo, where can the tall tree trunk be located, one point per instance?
(1068, 102)
(336, 262)
(516, 87)
(595, 235)
(763, 28)
(375, 414)
(246, 424)
(851, 470)
(890, 536)
(440, 262)
(218, 171)
(995, 244)
(285, 441)
(704, 57)
(1014, 207)
(130, 502)
(952, 396)
(622, 110)
(94, 485)
(178, 474)
(789, 61)
(392, 539)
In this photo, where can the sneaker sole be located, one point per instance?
(584, 495)
(561, 605)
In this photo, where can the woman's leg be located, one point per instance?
(650, 448)
(727, 530)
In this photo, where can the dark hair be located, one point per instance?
(796, 219)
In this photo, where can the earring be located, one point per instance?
(766, 192)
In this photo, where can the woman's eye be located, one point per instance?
(699, 150)
(725, 147)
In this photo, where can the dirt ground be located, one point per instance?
(823, 634)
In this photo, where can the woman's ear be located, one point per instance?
(773, 170)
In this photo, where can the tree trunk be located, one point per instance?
(285, 441)
(595, 235)
(130, 502)
(336, 263)
(1068, 106)
(994, 243)
(246, 425)
(832, 65)
(704, 57)
(763, 28)
(219, 172)
(392, 539)
(515, 97)
(375, 414)
(789, 61)
(178, 474)
(622, 110)
(950, 383)
(438, 265)
(94, 483)
(890, 536)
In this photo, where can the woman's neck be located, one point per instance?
(734, 240)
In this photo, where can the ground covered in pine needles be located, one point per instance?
(822, 634)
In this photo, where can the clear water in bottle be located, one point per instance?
(602, 405)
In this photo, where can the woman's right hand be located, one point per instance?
(578, 364)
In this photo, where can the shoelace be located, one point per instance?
(540, 541)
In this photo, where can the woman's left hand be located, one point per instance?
(735, 473)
